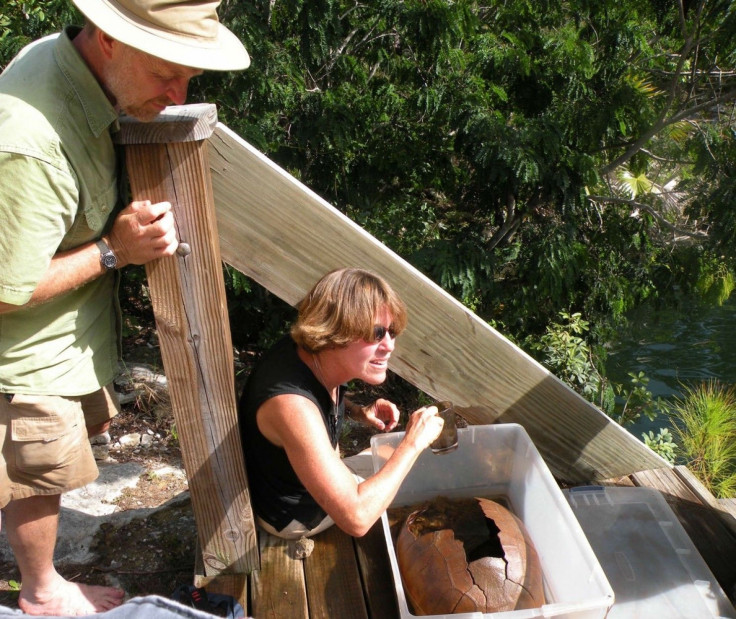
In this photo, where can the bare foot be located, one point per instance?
(73, 599)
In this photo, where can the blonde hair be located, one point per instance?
(343, 307)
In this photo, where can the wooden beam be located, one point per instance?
(334, 587)
(188, 295)
(375, 570)
(278, 589)
(284, 236)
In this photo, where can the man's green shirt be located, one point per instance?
(58, 189)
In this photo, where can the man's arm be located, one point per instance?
(142, 232)
(67, 271)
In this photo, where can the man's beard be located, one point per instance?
(121, 88)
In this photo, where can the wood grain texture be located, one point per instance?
(278, 589)
(376, 574)
(284, 236)
(177, 123)
(333, 580)
(188, 297)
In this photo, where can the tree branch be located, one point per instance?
(660, 220)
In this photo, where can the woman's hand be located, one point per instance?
(382, 414)
(423, 427)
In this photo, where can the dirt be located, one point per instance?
(151, 554)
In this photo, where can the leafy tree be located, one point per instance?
(532, 157)
(23, 21)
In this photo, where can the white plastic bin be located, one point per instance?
(501, 460)
(649, 559)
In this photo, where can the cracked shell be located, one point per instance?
(470, 555)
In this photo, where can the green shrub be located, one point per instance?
(704, 422)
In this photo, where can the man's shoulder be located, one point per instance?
(44, 45)
(29, 101)
(27, 72)
(26, 131)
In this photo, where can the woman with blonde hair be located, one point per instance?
(293, 407)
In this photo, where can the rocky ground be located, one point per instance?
(133, 527)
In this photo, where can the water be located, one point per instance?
(676, 349)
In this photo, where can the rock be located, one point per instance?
(130, 440)
(100, 439)
(142, 373)
(303, 547)
(139, 380)
(85, 511)
(101, 452)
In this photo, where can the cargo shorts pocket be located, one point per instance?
(45, 431)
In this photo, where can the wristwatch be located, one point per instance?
(107, 257)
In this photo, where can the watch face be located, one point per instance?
(109, 260)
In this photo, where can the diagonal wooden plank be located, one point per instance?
(333, 580)
(278, 589)
(280, 233)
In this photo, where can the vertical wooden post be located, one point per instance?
(167, 160)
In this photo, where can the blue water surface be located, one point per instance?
(676, 348)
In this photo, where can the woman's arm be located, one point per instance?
(294, 423)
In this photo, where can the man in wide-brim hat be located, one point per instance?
(66, 231)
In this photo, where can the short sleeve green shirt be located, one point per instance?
(58, 190)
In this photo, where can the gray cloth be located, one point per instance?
(149, 607)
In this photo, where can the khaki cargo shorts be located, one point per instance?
(43, 442)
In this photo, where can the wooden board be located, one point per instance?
(720, 506)
(729, 507)
(278, 589)
(376, 574)
(190, 307)
(333, 579)
(284, 236)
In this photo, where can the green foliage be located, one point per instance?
(258, 318)
(661, 443)
(704, 421)
(23, 21)
(636, 400)
(469, 138)
(565, 353)
(563, 350)
(716, 281)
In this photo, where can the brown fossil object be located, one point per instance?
(467, 556)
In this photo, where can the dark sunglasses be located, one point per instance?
(379, 332)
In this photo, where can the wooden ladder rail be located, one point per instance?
(167, 160)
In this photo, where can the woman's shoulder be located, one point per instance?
(279, 372)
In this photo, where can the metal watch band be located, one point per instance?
(107, 257)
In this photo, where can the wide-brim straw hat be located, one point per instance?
(185, 33)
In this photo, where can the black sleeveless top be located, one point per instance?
(277, 494)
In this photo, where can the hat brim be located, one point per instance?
(224, 53)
